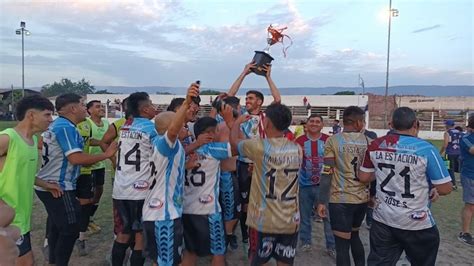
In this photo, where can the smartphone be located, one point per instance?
(197, 100)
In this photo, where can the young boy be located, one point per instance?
(202, 218)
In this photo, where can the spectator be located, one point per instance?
(451, 149)
(467, 181)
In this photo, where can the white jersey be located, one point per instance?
(405, 168)
(133, 159)
(59, 141)
(164, 201)
(201, 190)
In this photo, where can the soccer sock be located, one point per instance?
(93, 209)
(85, 217)
(243, 226)
(342, 251)
(118, 253)
(137, 259)
(357, 249)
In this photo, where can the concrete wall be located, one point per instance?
(290, 100)
(436, 103)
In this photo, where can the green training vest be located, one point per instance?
(97, 134)
(18, 177)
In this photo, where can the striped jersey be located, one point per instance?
(347, 150)
(404, 167)
(273, 203)
(133, 159)
(313, 158)
(252, 129)
(164, 200)
(201, 187)
(59, 141)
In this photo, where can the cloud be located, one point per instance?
(427, 28)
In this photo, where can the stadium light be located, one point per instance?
(392, 13)
(22, 31)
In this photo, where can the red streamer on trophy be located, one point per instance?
(276, 35)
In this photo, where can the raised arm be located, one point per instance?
(273, 88)
(234, 126)
(178, 122)
(238, 82)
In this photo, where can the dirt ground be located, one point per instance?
(446, 211)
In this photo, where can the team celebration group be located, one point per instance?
(182, 184)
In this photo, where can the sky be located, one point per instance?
(172, 43)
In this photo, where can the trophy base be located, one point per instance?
(261, 58)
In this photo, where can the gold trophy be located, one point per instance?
(261, 58)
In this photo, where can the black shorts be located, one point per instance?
(167, 248)
(204, 234)
(63, 212)
(84, 187)
(346, 216)
(245, 178)
(24, 244)
(98, 177)
(387, 244)
(264, 246)
(229, 197)
(127, 216)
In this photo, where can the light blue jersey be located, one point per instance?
(404, 167)
(164, 201)
(59, 141)
(133, 159)
(201, 191)
(252, 129)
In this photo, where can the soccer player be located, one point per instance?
(451, 150)
(336, 128)
(18, 165)
(229, 184)
(99, 126)
(252, 128)
(62, 156)
(340, 186)
(163, 207)
(404, 167)
(202, 217)
(84, 188)
(467, 181)
(312, 144)
(131, 182)
(273, 215)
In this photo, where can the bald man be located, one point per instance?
(163, 206)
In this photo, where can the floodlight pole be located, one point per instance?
(394, 13)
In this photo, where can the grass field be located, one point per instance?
(446, 211)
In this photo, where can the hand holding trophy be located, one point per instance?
(263, 58)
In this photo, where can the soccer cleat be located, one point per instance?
(466, 238)
(81, 247)
(233, 242)
(306, 248)
(45, 250)
(455, 187)
(331, 253)
(93, 228)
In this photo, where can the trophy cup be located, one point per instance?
(262, 58)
